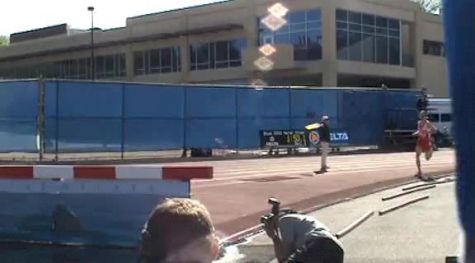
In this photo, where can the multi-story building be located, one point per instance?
(345, 43)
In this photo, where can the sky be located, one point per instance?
(22, 15)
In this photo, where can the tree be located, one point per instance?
(430, 6)
(4, 41)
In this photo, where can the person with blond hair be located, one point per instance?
(179, 230)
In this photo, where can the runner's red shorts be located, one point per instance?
(424, 143)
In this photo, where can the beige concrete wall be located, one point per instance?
(400, 9)
(432, 70)
(378, 70)
(433, 76)
(61, 42)
(245, 13)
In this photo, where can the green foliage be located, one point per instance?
(4, 41)
(430, 6)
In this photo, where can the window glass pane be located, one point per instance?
(74, 69)
(368, 48)
(235, 63)
(295, 32)
(355, 17)
(283, 30)
(66, 70)
(314, 46)
(368, 20)
(394, 33)
(355, 27)
(445, 117)
(176, 58)
(341, 15)
(100, 63)
(313, 15)
(139, 67)
(381, 22)
(382, 50)
(342, 25)
(242, 42)
(342, 44)
(434, 117)
(282, 38)
(212, 55)
(297, 17)
(368, 29)
(394, 51)
(355, 46)
(236, 49)
(393, 23)
(300, 27)
(110, 66)
(433, 48)
(166, 60)
(203, 54)
(298, 39)
(122, 65)
(222, 64)
(222, 53)
(154, 60)
(267, 39)
(300, 54)
(381, 31)
(193, 54)
(178, 52)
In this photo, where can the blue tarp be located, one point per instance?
(99, 116)
(460, 43)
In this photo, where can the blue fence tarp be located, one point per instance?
(460, 43)
(18, 114)
(100, 116)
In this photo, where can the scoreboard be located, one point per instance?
(282, 139)
(303, 139)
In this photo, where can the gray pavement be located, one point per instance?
(423, 232)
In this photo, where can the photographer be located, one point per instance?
(302, 238)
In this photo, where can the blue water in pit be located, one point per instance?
(14, 253)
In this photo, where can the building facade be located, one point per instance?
(344, 43)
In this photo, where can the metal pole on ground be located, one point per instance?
(354, 225)
(401, 205)
(386, 198)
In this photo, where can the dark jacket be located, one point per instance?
(324, 132)
(422, 103)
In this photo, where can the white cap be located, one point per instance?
(325, 118)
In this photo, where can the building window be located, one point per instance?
(156, 61)
(434, 48)
(445, 117)
(368, 38)
(139, 63)
(121, 70)
(83, 68)
(303, 31)
(110, 66)
(220, 54)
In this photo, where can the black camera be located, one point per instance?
(265, 219)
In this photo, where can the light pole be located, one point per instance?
(93, 62)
